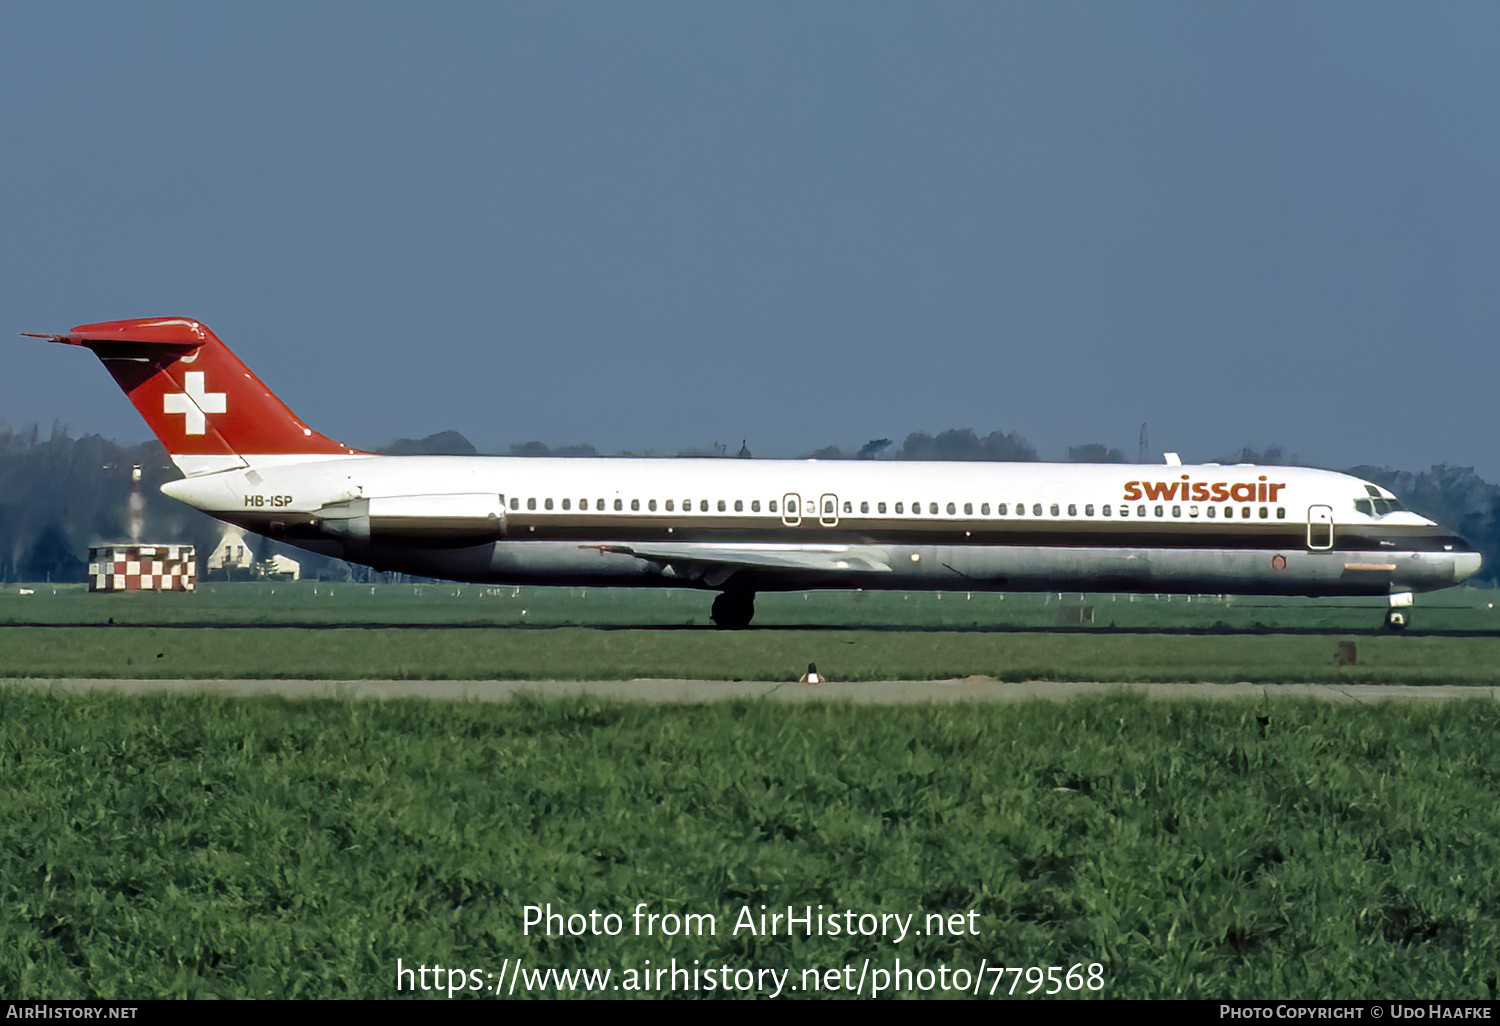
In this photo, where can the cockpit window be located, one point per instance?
(1378, 507)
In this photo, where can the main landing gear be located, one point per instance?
(733, 610)
(1399, 614)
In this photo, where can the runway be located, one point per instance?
(894, 692)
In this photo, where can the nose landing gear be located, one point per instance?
(1399, 614)
(733, 610)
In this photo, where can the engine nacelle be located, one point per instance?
(454, 520)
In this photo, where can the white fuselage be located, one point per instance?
(762, 525)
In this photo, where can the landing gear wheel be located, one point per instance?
(1396, 619)
(733, 610)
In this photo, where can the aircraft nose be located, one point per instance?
(1465, 565)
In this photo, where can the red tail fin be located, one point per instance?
(197, 396)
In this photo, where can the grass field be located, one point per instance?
(213, 846)
(462, 632)
(309, 603)
(583, 654)
(204, 846)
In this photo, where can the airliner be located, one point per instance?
(741, 526)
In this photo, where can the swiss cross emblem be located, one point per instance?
(195, 402)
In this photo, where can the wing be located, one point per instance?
(714, 564)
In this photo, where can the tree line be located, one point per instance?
(61, 495)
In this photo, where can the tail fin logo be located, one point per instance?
(195, 402)
(164, 365)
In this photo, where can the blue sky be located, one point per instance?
(654, 226)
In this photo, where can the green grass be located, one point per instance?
(571, 653)
(311, 603)
(463, 632)
(203, 846)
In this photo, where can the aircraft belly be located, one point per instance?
(977, 568)
(569, 563)
(538, 563)
(1294, 571)
(1254, 571)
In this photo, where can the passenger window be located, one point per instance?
(635, 504)
(772, 506)
(1105, 508)
(583, 504)
(1245, 513)
(1020, 509)
(567, 503)
(722, 508)
(651, 505)
(984, 509)
(1001, 510)
(702, 505)
(1192, 511)
(531, 504)
(755, 506)
(1055, 510)
(1140, 510)
(1072, 510)
(670, 506)
(739, 505)
(547, 503)
(952, 509)
(1036, 509)
(1265, 513)
(1280, 512)
(1177, 511)
(599, 505)
(1124, 511)
(1088, 510)
(968, 509)
(515, 503)
(619, 505)
(864, 507)
(1158, 511)
(1212, 512)
(880, 507)
(899, 507)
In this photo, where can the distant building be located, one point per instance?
(136, 567)
(231, 559)
(234, 559)
(278, 568)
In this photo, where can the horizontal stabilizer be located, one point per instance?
(178, 334)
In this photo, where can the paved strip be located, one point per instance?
(885, 692)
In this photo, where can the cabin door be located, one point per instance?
(828, 510)
(1320, 528)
